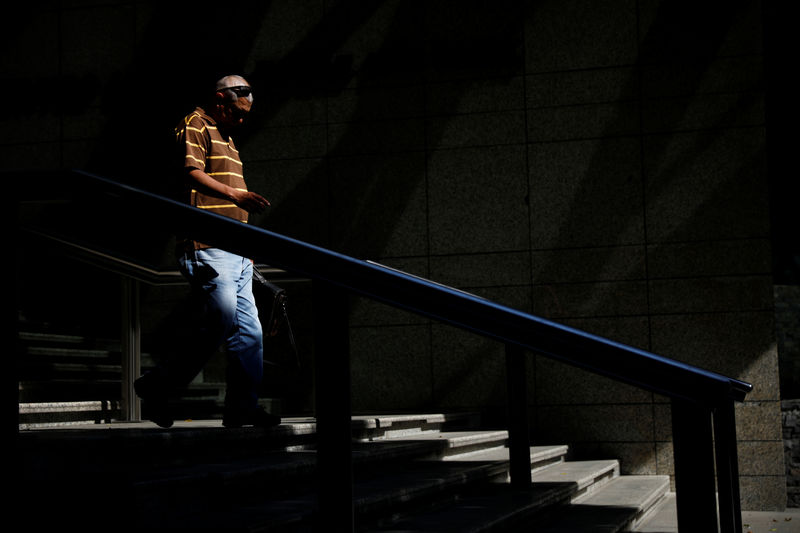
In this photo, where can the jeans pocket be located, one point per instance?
(198, 272)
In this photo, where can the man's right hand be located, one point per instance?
(250, 201)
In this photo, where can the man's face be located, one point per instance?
(234, 101)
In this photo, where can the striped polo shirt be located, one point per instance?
(202, 146)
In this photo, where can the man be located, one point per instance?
(222, 310)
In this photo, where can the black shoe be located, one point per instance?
(155, 406)
(256, 417)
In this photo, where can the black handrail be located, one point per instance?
(697, 394)
(105, 260)
(136, 270)
(132, 272)
(439, 302)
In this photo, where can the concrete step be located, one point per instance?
(61, 339)
(195, 468)
(73, 371)
(55, 401)
(616, 504)
(373, 427)
(52, 347)
(663, 518)
(295, 461)
(144, 447)
(454, 444)
(58, 368)
(207, 440)
(54, 355)
(583, 476)
(452, 496)
(412, 473)
(61, 414)
(394, 489)
(499, 507)
(621, 505)
(44, 357)
(57, 390)
(541, 456)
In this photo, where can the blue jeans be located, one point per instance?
(221, 311)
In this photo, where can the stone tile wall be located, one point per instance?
(787, 329)
(787, 326)
(790, 415)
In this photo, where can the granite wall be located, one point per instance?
(790, 414)
(787, 326)
(601, 164)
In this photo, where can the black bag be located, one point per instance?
(275, 297)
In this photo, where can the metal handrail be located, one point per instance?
(132, 273)
(702, 400)
(442, 303)
(135, 270)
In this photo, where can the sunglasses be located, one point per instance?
(239, 90)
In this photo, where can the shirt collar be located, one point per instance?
(205, 116)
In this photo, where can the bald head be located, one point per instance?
(233, 98)
(230, 81)
(234, 87)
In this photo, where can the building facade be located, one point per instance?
(600, 164)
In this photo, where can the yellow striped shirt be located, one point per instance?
(202, 146)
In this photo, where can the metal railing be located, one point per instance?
(133, 275)
(703, 417)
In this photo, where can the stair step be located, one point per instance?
(412, 473)
(619, 506)
(481, 509)
(69, 390)
(301, 458)
(264, 472)
(113, 442)
(456, 445)
(662, 518)
(50, 414)
(33, 337)
(389, 491)
(623, 503)
(436, 481)
(79, 368)
(377, 427)
(541, 456)
(71, 352)
(62, 367)
(583, 476)
(628, 490)
(500, 509)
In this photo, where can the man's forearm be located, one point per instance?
(208, 185)
(247, 200)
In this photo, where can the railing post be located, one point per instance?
(725, 443)
(332, 389)
(130, 347)
(519, 446)
(694, 467)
